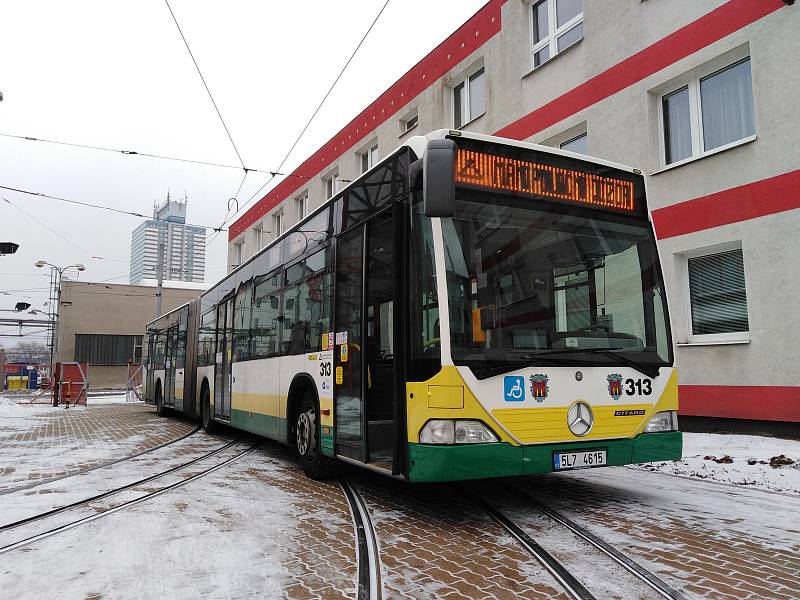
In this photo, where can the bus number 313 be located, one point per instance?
(638, 386)
(325, 369)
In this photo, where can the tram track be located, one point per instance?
(367, 555)
(557, 568)
(127, 504)
(103, 465)
(106, 494)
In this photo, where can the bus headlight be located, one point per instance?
(447, 431)
(474, 432)
(438, 431)
(663, 421)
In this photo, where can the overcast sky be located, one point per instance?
(116, 73)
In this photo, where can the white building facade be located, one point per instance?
(700, 95)
(184, 248)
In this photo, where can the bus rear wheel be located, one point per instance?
(306, 437)
(205, 409)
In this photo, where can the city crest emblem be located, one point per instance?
(615, 385)
(539, 387)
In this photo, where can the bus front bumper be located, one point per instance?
(429, 462)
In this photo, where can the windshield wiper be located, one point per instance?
(651, 371)
(529, 361)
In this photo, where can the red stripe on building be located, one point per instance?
(758, 199)
(762, 403)
(683, 42)
(482, 26)
(709, 28)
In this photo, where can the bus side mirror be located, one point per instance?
(438, 179)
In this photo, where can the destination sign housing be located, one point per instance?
(538, 180)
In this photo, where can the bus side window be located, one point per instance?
(266, 316)
(316, 295)
(241, 322)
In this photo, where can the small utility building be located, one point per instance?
(103, 324)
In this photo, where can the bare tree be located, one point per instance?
(28, 352)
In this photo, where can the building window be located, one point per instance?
(717, 297)
(108, 350)
(277, 224)
(708, 113)
(469, 98)
(258, 237)
(238, 249)
(368, 158)
(555, 26)
(137, 349)
(576, 144)
(301, 206)
(408, 122)
(331, 185)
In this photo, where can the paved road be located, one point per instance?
(259, 528)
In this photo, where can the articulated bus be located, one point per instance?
(470, 307)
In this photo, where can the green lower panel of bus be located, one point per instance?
(266, 425)
(326, 442)
(451, 463)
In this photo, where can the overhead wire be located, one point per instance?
(147, 155)
(97, 206)
(228, 216)
(316, 111)
(43, 224)
(203, 79)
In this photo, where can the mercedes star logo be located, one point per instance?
(580, 419)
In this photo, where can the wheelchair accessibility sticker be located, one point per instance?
(514, 388)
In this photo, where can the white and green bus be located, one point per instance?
(469, 307)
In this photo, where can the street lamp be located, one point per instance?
(8, 248)
(56, 273)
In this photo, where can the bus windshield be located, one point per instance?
(530, 282)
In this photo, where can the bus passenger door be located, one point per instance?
(222, 371)
(169, 373)
(149, 367)
(348, 393)
(379, 343)
(364, 344)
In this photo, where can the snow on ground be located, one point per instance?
(112, 398)
(23, 503)
(32, 449)
(740, 460)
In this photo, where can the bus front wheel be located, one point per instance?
(306, 437)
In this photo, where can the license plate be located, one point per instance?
(579, 460)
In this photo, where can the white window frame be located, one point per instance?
(238, 251)
(258, 236)
(277, 223)
(554, 32)
(331, 180)
(691, 81)
(371, 155)
(734, 337)
(411, 117)
(464, 79)
(572, 139)
(301, 206)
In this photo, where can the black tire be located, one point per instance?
(306, 442)
(161, 410)
(205, 410)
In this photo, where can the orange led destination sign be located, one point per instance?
(512, 175)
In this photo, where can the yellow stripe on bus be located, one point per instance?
(528, 425)
(273, 405)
